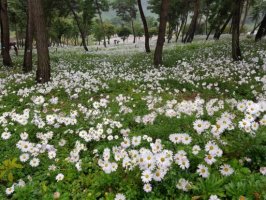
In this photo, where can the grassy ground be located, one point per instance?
(97, 103)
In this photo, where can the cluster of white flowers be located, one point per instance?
(75, 105)
(180, 138)
(74, 156)
(184, 185)
(252, 112)
(154, 163)
(11, 189)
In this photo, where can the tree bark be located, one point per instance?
(27, 63)
(218, 34)
(192, 28)
(133, 30)
(255, 27)
(5, 35)
(161, 33)
(236, 51)
(43, 73)
(82, 32)
(101, 21)
(245, 15)
(262, 29)
(145, 27)
(184, 28)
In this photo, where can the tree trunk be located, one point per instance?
(161, 33)
(236, 51)
(262, 29)
(177, 32)
(184, 28)
(218, 34)
(133, 30)
(192, 28)
(145, 27)
(82, 32)
(5, 35)
(245, 15)
(16, 32)
(27, 63)
(255, 27)
(207, 18)
(101, 21)
(43, 73)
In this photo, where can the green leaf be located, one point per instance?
(10, 177)
(2, 174)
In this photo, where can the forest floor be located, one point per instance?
(111, 126)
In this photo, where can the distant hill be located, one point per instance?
(111, 14)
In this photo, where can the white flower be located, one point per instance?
(10, 190)
(35, 162)
(24, 157)
(24, 136)
(203, 171)
(136, 140)
(147, 187)
(210, 159)
(263, 171)
(59, 177)
(51, 154)
(62, 143)
(158, 175)
(38, 100)
(21, 183)
(146, 176)
(226, 170)
(184, 185)
(6, 135)
(196, 149)
(200, 126)
(214, 197)
(52, 168)
(120, 196)
(126, 142)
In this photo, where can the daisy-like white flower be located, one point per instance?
(186, 139)
(38, 100)
(59, 177)
(52, 168)
(21, 183)
(147, 187)
(196, 149)
(126, 143)
(136, 141)
(158, 175)
(51, 154)
(263, 171)
(120, 196)
(226, 170)
(10, 190)
(244, 123)
(184, 185)
(24, 157)
(24, 136)
(210, 159)
(62, 142)
(214, 197)
(107, 167)
(146, 176)
(241, 106)
(35, 162)
(183, 163)
(6, 135)
(203, 171)
(200, 126)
